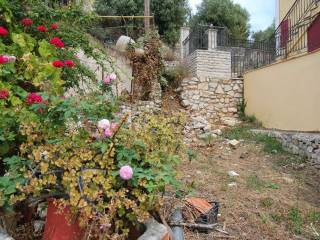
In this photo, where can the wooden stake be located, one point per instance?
(146, 13)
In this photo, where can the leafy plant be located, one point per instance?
(175, 75)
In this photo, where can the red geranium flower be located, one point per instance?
(3, 32)
(57, 42)
(33, 98)
(69, 63)
(26, 22)
(58, 64)
(3, 59)
(42, 28)
(4, 94)
(54, 26)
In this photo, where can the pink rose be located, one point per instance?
(126, 172)
(104, 124)
(114, 126)
(107, 80)
(108, 133)
(113, 76)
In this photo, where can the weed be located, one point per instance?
(254, 182)
(264, 218)
(191, 154)
(295, 217)
(314, 216)
(272, 185)
(266, 202)
(243, 116)
(277, 217)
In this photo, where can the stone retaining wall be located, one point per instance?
(212, 97)
(303, 144)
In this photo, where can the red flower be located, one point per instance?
(58, 64)
(4, 94)
(26, 22)
(40, 110)
(3, 59)
(3, 32)
(57, 42)
(42, 28)
(54, 26)
(33, 98)
(69, 63)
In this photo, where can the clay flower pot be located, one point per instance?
(58, 226)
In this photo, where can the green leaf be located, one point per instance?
(46, 50)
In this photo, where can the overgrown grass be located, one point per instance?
(270, 144)
(296, 220)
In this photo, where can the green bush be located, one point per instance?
(174, 76)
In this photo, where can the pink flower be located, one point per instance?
(4, 94)
(42, 28)
(114, 126)
(108, 133)
(107, 80)
(33, 98)
(69, 63)
(126, 172)
(3, 31)
(57, 42)
(54, 26)
(57, 64)
(3, 59)
(113, 76)
(26, 22)
(104, 124)
(12, 58)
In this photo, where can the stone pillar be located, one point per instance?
(212, 38)
(184, 33)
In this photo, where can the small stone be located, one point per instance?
(288, 180)
(227, 88)
(233, 184)
(219, 90)
(38, 226)
(217, 132)
(234, 143)
(233, 174)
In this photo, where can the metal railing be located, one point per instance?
(197, 39)
(291, 34)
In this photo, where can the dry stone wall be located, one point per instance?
(303, 144)
(212, 97)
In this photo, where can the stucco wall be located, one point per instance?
(284, 7)
(286, 95)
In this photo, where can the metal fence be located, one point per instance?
(197, 39)
(291, 34)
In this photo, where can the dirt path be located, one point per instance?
(269, 200)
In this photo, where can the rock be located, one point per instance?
(244, 155)
(231, 122)
(217, 132)
(155, 231)
(234, 143)
(288, 180)
(219, 90)
(233, 184)
(185, 103)
(227, 88)
(4, 235)
(233, 174)
(38, 226)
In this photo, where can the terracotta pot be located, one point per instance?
(58, 226)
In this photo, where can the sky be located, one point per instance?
(262, 12)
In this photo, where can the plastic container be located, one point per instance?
(58, 226)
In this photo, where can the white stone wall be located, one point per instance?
(210, 63)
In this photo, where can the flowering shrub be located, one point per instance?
(77, 150)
